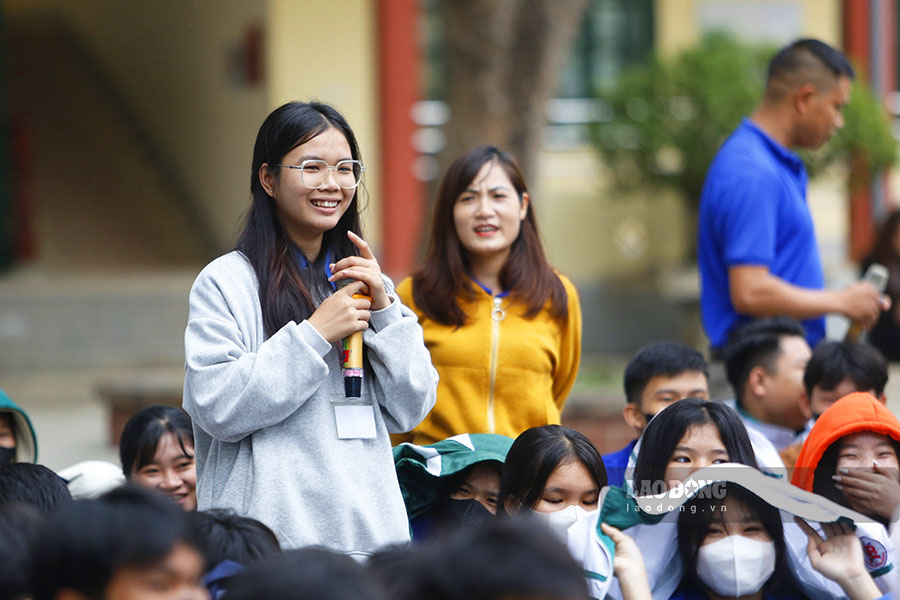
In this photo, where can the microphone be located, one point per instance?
(877, 276)
(352, 356)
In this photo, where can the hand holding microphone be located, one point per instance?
(875, 278)
(362, 268)
(362, 274)
(345, 312)
(349, 308)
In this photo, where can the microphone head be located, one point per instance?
(877, 275)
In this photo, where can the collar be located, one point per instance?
(784, 155)
(781, 437)
(304, 263)
(486, 289)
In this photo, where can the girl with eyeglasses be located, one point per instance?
(503, 327)
(277, 437)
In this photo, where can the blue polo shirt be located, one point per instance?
(753, 211)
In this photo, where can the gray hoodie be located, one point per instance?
(264, 427)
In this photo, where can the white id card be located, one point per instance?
(354, 418)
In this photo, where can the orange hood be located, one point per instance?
(854, 412)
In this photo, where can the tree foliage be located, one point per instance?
(669, 117)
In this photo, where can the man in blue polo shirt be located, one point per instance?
(757, 247)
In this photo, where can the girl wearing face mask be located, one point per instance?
(553, 471)
(459, 490)
(503, 327)
(555, 474)
(157, 452)
(18, 442)
(734, 548)
(688, 435)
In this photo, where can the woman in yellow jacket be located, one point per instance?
(503, 328)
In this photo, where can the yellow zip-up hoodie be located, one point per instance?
(500, 372)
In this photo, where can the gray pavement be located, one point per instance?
(71, 420)
(64, 338)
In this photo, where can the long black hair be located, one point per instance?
(140, 438)
(533, 457)
(263, 240)
(666, 429)
(438, 283)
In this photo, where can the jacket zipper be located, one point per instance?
(497, 315)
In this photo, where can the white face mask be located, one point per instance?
(736, 565)
(560, 521)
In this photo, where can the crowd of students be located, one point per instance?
(542, 515)
(343, 438)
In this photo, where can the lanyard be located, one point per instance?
(301, 258)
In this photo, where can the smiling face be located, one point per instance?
(864, 448)
(307, 213)
(171, 471)
(699, 447)
(488, 214)
(569, 484)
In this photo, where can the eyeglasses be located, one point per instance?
(314, 173)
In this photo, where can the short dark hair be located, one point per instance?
(18, 526)
(305, 573)
(660, 358)
(82, 544)
(35, 485)
(698, 515)
(832, 362)
(535, 454)
(758, 343)
(141, 435)
(228, 536)
(526, 561)
(800, 60)
(667, 428)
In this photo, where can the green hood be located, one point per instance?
(26, 440)
(421, 469)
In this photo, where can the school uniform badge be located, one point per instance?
(874, 552)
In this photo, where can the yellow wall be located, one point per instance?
(327, 51)
(593, 232)
(170, 58)
(677, 27)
